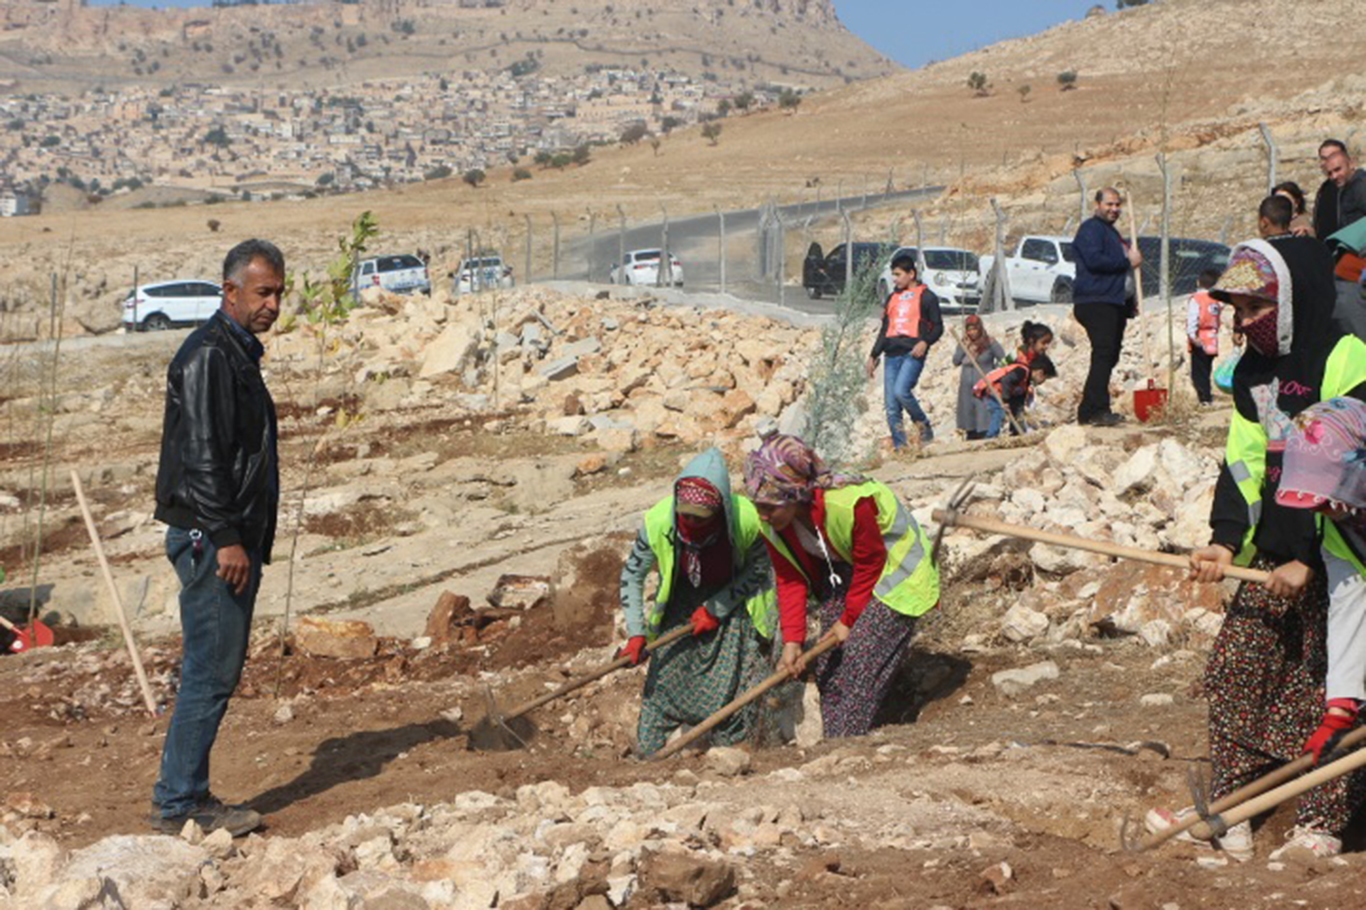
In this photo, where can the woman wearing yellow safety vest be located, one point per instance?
(848, 543)
(713, 573)
(1264, 680)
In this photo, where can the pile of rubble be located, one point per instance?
(616, 373)
(692, 840)
(1156, 497)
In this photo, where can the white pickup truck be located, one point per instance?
(1041, 271)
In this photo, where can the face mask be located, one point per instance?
(1261, 333)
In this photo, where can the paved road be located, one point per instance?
(694, 240)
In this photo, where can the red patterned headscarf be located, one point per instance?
(785, 470)
(695, 496)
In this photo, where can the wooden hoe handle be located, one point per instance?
(1071, 541)
(599, 673)
(719, 717)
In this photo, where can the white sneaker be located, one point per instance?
(1236, 842)
(1307, 843)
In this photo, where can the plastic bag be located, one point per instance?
(1223, 372)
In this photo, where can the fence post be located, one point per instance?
(555, 265)
(1081, 190)
(621, 244)
(891, 185)
(528, 251)
(664, 274)
(780, 266)
(1224, 231)
(865, 191)
(919, 244)
(469, 257)
(721, 247)
(592, 244)
(839, 196)
(135, 296)
(848, 251)
(925, 177)
(1272, 155)
(1002, 299)
(1164, 271)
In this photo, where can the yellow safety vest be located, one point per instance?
(909, 583)
(1245, 452)
(659, 529)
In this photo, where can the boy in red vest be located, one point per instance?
(1014, 384)
(910, 324)
(1202, 334)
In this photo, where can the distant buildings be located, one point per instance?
(244, 143)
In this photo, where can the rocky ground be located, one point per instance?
(469, 474)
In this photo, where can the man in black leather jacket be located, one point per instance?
(218, 489)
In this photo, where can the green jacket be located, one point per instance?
(752, 579)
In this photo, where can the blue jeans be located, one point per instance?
(216, 624)
(996, 414)
(899, 377)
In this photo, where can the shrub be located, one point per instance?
(789, 100)
(979, 84)
(521, 174)
(711, 132)
(1067, 80)
(474, 176)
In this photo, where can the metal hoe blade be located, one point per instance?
(497, 733)
(960, 496)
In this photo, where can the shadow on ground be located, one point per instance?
(353, 757)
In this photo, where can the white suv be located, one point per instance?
(400, 274)
(155, 307)
(483, 273)
(642, 267)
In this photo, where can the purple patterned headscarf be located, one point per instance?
(786, 470)
(1325, 459)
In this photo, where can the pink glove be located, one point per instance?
(1332, 728)
(703, 622)
(634, 649)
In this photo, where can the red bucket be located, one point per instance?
(1149, 402)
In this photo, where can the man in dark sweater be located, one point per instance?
(1100, 297)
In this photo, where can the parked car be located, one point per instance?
(642, 267)
(166, 304)
(401, 274)
(482, 273)
(1188, 259)
(948, 271)
(823, 274)
(1041, 270)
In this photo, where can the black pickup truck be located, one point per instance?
(823, 273)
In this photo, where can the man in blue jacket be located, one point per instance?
(1100, 296)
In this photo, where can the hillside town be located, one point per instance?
(214, 140)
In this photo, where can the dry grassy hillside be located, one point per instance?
(330, 44)
(1190, 77)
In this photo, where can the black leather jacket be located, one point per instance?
(219, 470)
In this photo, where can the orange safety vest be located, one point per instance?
(995, 377)
(903, 313)
(1206, 322)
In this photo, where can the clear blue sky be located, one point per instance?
(911, 32)
(914, 32)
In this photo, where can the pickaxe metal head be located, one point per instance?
(960, 496)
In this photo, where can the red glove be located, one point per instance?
(634, 649)
(1332, 728)
(703, 622)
